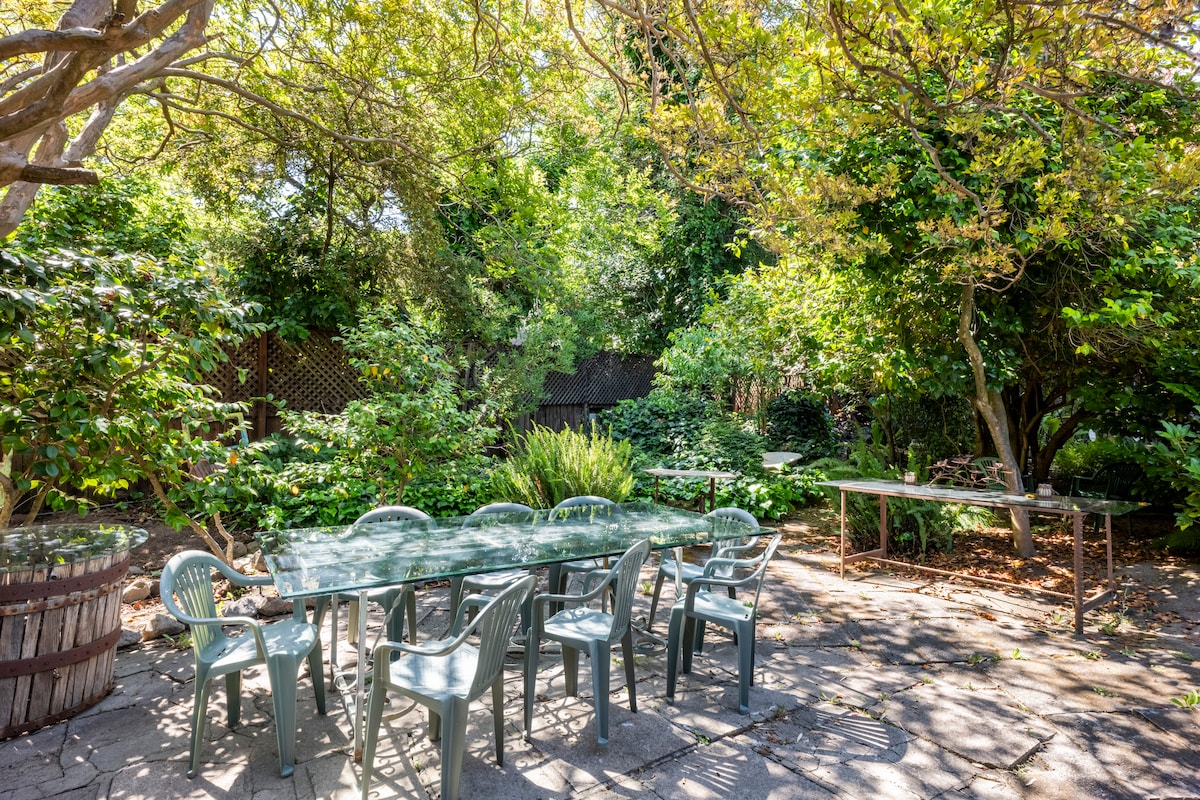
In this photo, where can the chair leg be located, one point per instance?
(570, 657)
(630, 678)
(557, 583)
(374, 718)
(453, 744)
(688, 642)
(352, 623)
(435, 726)
(658, 584)
(674, 633)
(599, 652)
(233, 696)
(456, 592)
(317, 674)
(531, 665)
(283, 672)
(412, 616)
(498, 716)
(745, 670)
(199, 709)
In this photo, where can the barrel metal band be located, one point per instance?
(63, 658)
(62, 601)
(16, 592)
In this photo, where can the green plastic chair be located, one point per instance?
(583, 628)
(187, 593)
(682, 573)
(489, 582)
(388, 597)
(702, 604)
(560, 573)
(445, 676)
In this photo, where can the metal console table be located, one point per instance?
(1075, 507)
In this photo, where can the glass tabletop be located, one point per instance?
(315, 561)
(45, 546)
(1056, 504)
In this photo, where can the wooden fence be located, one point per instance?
(310, 375)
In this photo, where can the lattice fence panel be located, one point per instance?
(312, 375)
(237, 379)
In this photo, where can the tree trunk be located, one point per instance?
(990, 405)
(8, 499)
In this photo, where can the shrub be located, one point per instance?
(414, 439)
(675, 430)
(1176, 459)
(800, 423)
(660, 422)
(114, 353)
(548, 467)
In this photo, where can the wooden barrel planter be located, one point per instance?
(60, 619)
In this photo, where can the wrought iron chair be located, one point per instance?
(187, 593)
(702, 604)
(672, 566)
(445, 676)
(582, 628)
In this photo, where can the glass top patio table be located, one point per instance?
(320, 561)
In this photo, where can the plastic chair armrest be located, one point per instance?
(731, 564)
(466, 604)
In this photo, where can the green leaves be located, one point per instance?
(109, 348)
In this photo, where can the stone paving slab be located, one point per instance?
(880, 686)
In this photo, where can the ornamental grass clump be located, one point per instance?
(547, 467)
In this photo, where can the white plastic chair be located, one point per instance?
(489, 582)
(681, 573)
(389, 597)
(560, 573)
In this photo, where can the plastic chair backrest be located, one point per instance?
(763, 559)
(391, 514)
(758, 563)
(494, 624)
(584, 500)
(500, 508)
(186, 590)
(737, 515)
(627, 570)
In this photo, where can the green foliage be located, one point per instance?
(113, 352)
(121, 215)
(1084, 455)
(933, 427)
(675, 430)
(773, 494)
(1175, 458)
(302, 272)
(801, 423)
(1189, 700)
(660, 422)
(914, 526)
(546, 468)
(724, 442)
(703, 360)
(415, 420)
